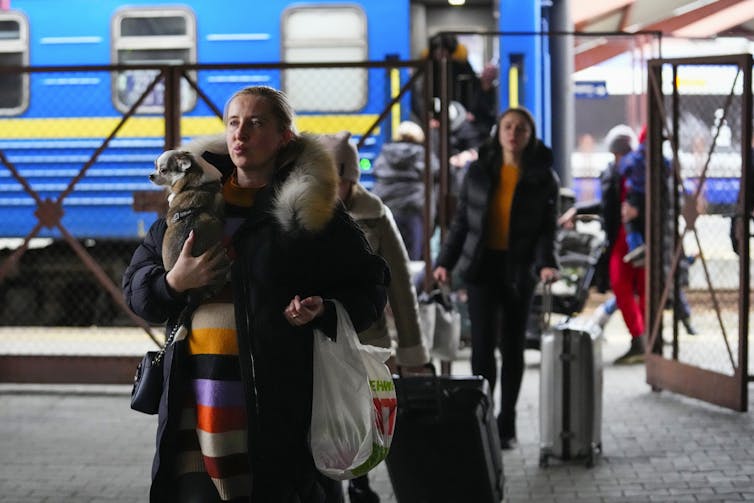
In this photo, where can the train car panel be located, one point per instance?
(53, 122)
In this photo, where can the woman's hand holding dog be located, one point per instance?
(191, 272)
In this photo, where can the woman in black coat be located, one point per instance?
(292, 247)
(502, 240)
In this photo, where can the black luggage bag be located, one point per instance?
(446, 447)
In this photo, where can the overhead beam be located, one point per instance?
(669, 25)
(611, 48)
(718, 22)
(596, 55)
(586, 11)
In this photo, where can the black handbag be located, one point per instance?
(147, 390)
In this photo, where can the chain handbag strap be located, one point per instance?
(180, 323)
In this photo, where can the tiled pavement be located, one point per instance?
(84, 444)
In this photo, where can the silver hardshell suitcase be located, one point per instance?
(570, 392)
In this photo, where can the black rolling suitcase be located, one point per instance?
(446, 446)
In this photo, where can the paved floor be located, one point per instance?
(84, 444)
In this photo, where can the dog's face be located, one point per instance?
(171, 166)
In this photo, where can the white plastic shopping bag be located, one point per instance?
(447, 331)
(427, 320)
(440, 323)
(354, 403)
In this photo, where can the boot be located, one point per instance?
(360, 492)
(635, 353)
(506, 428)
(688, 326)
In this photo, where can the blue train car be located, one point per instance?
(52, 122)
(56, 124)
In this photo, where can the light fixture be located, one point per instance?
(456, 2)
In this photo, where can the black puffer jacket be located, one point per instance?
(293, 242)
(533, 216)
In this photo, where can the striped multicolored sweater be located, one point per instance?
(213, 427)
(213, 421)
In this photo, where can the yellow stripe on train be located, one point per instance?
(139, 127)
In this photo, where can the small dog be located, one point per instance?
(195, 203)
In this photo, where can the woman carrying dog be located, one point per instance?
(237, 399)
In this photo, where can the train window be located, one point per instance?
(14, 51)
(149, 36)
(325, 33)
(151, 27)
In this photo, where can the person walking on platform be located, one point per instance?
(626, 280)
(604, 311)
(380, 230)
(237, 395)
(399, 183)
(502, 240)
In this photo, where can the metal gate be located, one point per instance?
(699, 139)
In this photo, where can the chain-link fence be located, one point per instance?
(73, 181)
(709, 111)
(74, 190)
(700, 142)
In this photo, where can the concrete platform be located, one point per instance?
(67, 443)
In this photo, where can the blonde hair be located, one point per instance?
(279, 104)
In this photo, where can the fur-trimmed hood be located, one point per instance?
(305, 183)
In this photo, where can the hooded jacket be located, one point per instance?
(533, 217)
(296, 240)
(399, 176)
(376, 220)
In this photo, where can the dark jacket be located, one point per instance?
(611, 184)
(633, 168)
(534, 213)
(609, 206)
(463, 81)
(296, 240)
(399, 176)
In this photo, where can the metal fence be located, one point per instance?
(75, 198)
(76, 201)
(699, 146)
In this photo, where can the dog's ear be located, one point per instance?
(184, 160)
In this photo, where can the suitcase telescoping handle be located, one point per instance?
(429, 366)
(432, 377)
(544, 319)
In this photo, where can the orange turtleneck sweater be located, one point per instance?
(498, 221)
